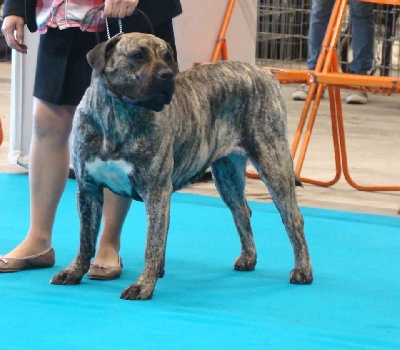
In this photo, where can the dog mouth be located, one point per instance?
(155, 103)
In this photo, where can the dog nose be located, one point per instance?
(165, 74)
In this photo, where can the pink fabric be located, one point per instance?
(69, 13)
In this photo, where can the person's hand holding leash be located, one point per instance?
(119, 8)
(13, 26)
(13, 30)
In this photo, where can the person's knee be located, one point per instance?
(51, 121)
(361, 11)
(321, 10)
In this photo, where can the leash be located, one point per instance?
(119, 27)
(91, 14)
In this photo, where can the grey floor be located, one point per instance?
(373, 143)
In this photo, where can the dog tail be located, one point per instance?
(297, 181)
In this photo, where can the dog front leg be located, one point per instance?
(158, 215)
(90, 203)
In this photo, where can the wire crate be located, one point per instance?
(386, 48)
(282, 37)
(282, 33)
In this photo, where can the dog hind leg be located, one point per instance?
(229, 177)
(275, 167)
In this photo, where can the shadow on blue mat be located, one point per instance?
(202, 303)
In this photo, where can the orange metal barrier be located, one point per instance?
(366, 83)
(291, 76)
(329, 76)
(326, 74)
(220, 49)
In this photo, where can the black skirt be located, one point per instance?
(62, 71)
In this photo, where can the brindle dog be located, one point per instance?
(133, 135)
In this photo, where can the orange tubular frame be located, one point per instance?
(330, 76)
(327, 74)
(221, 49)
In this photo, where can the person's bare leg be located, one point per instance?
(48, 172)
(114, 213)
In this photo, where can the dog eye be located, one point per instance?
(138, 56)
(167, 56)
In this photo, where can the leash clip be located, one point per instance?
(108, 29)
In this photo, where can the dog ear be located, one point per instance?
(174, 65)
(97, 57)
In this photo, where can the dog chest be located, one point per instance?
(113, 173)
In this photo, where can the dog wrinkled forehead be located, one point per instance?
(153, 48)
(128, 45)
(139, 40)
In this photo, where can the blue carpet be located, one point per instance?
(202, 303)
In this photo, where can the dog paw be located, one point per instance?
(137, 292)
(245, 263)
(301, 276)
(67, 277)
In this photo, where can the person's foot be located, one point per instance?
(41, 260)
(107, 264)
(357, 98)
(30, 246)
(105, 272)
(301, 93)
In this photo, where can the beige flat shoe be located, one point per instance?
(105, 273)
(38, 261)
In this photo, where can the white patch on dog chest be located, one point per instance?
(114, 173)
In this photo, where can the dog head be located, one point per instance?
(137, 68)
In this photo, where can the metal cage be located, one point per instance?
(282, 37)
